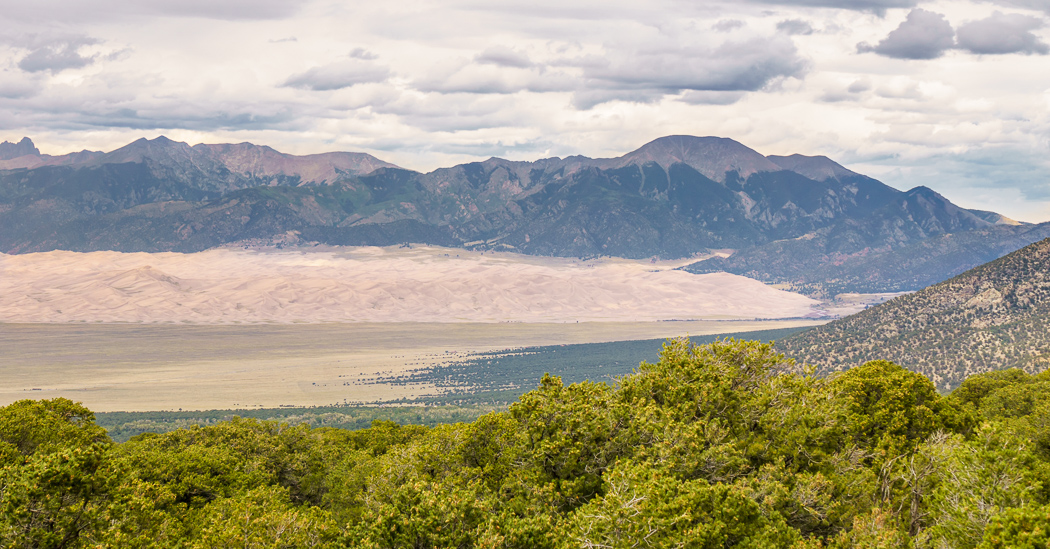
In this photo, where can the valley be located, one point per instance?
(141, 367)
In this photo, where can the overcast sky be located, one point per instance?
(951, 95)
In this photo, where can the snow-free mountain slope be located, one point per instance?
(712, 156)
(677, 196)
(992, 317)
(817, 168)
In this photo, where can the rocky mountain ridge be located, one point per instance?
(674, 197)
(223, 167)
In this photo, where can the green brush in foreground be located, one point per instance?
(721, 445)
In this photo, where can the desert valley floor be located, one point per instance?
(234, 328)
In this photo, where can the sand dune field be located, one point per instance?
(422, 284)
(235, 328)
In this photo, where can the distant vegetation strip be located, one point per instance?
(476, 386)
(121, 426)
(500, 377)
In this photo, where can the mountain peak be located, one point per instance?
(924, 191)
(24, 147)
(711, 156)
(817, 168)
(143, 149)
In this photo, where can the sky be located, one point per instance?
(951, 95)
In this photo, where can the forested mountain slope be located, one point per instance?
(821, 265)
(992, 317)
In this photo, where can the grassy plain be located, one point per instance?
(139, 367)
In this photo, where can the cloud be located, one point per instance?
(859, 86)
(1003, 33)
(696, 97)
(504, 57)
(226, 9)
(927, 35)
(108, 10)
(795, 27)
(18, 85)
(337, 76)
(494, 79)
(204, 120)
(56, 56)
(874, 6)
(727, 25)
(923, 35)
(900, 89)
(851, 93)
(718, 75)
(644, 76)
(1037, 5)
(452, 112)
(361, 53)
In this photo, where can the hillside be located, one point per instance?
(991, 317)
(819, 266)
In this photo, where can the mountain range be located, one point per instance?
(989, 318)
(802, 220)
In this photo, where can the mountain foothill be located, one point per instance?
(804, 221)
(993, 317)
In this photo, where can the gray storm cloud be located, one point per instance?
(362, 53)
(732, 67)
(54, 60)
(923, 35)
(795, 27)
(230, 10)
(1038, 5)
(928, 35)
(1003, 33)
(339, 75)
(874, 6)
(504, 57)
(727, 25)
(54, 55)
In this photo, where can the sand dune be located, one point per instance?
(370, 285)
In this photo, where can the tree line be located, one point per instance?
(727, 444)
